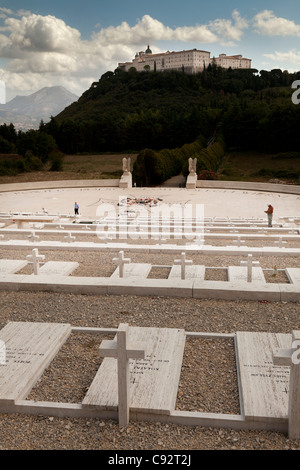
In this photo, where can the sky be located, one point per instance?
(71, 43)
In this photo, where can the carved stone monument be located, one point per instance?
(153, 375)
(126, 165)
(192, 177)
(126, 178)
(121, 350)
(192, 166)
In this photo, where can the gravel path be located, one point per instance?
(208, 380)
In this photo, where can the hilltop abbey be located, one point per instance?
(191, 61)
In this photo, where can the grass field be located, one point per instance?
(252, 166)
(77, 167)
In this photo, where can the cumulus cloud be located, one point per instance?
(227, 30)
(149, 28)
(44, 63)
(267, 23)
(36, 33)
(289, 56)
(6, 11)
(46, 47)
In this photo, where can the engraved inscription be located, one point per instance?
(148, 364)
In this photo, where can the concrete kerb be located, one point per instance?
(249, 186)
(152, 287)
(241, 291)
(42, 185)
(155, 248)
(287, 233)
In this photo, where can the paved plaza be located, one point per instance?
(217, 202)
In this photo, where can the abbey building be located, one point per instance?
(191, 61)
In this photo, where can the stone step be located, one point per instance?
(264, 386)
(134, 270)
(239, 273)
(11, 266)
(293, 275)
(153, 380)
(191, 272)
(60, 268)
(29, 349)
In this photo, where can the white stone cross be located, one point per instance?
(290, 357)
(183, 262)
(121, 261)
(33, 236)
(280, 242)
(122, 350)
(250, 264)
(102, 235)
(199, 239)
(35, 258)
(69, 237)
(238, 242)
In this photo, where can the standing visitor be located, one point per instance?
(76, 208)
(269, 212)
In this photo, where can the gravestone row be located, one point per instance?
(141, 370)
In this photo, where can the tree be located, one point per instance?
(39, 143)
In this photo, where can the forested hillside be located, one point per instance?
(164, 117)
(133, 111)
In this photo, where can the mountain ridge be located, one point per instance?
(26, 112)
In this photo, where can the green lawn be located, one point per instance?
(97, 166)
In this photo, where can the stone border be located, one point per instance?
(40, 185)
(188, 288)
(199, 184)
(250, 186)
(157, 248)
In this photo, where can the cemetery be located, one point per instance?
(221, 256)
(138, 378)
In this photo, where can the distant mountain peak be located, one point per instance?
(41, 105)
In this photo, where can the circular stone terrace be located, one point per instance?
(59, 198)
